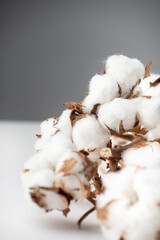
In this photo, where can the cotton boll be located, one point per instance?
(147, 156)
(147, 90)
(102, 89)
(111, 114)
(35, 164)
(71, 184)
(125, 71)
(88, 134)
(55, 148)
(116, 221)
(75, 166)
(42, 178)
(53, 200)
(142, 222)
(147, 185)
(149, 112)
(131, 201)
(119, 185)
(153, 133)
(64, 123)
(47, 129)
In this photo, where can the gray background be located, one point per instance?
(50, 49)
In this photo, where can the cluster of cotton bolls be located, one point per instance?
(106, 150)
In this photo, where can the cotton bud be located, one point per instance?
(119, 114)
(125, 71)
(102, 89)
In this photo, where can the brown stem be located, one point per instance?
(85, 215)
(91, 200)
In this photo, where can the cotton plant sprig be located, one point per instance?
(106, 150)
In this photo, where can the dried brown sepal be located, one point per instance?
(58, 130)
(76, 114)
(119, 90)
(65, 212)
(38, 135)
(139, 130)
(155, 83)
(25, 170)
(102, 213)
(122, 164)
(148, 97)
(130, 94)
(68, 166)
(147, 69)
(121, 128)
(135, 95)
(125, 136)
(83, 152)
(91, 150)
(38, 197)
(156, 140)
(112, 132)
(94, 109)
(109, 144)
(84, 189)
(90, 168)
(59, 189)
(73, 104)
(97, 182)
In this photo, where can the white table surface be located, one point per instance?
(23, 220)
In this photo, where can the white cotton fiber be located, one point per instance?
(64, 123)
(102, 89)
(71, 155)
(147, 156)
(48, 128)
(131, 200)
(112, 113)
(55, 148)
(88, 134)
(149, 112)
(147, 186)
(54, 200)
(119, 116)
(153, 133)
(146, 89)
(125, 71)
(42, 178)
